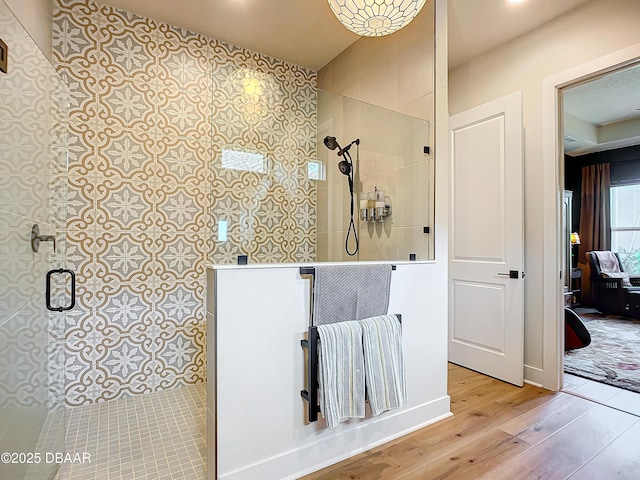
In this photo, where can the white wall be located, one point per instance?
(258, 315)
(589, 32)
(36, 17)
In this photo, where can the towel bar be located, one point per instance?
(311, 271)
(311, 393)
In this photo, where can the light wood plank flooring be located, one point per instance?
(499, 431)
(614, 397)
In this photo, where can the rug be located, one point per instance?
(613, 357)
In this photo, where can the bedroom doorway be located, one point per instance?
(600, 178)
(551, 375)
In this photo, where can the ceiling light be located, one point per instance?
(375, 18)
(516, 1)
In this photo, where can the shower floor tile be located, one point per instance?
(156, 436)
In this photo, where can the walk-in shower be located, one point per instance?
(167, 152)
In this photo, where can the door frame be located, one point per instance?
(553, 186)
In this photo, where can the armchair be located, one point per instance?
(613, 291)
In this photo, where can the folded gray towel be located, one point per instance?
(350, 292)
(384, 366)
(341, 372)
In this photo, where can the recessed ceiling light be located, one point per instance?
(515, 1)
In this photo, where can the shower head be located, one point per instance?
(345, 166)
(331, 143)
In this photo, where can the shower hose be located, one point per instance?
(352, 226)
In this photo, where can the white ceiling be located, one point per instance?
(477, 26)
(306, 32)
(603, 113)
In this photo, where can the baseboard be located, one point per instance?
(534, 376)
(344, 444)
(529, 382)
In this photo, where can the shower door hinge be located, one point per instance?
(4, 57)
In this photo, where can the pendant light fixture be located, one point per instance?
(375, 18)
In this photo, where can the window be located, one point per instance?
(625, 226)
(243, 160)
(315, 170)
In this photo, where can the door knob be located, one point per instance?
(511, 274)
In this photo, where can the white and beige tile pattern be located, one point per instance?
(151, 108)
(263, 106)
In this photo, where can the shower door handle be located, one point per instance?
(60, 271)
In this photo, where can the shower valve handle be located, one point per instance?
(36, 238)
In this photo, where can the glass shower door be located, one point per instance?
(33, 169)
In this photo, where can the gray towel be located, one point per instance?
(350, 292)
(341, 372)
(384, 366)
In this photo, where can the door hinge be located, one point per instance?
(4, 57)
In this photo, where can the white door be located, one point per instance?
(486, 315)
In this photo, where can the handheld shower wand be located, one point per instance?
(346, 168)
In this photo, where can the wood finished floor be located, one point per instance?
(614, 397)
(499, 431)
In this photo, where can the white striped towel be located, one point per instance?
(341, 372)
(384, 366)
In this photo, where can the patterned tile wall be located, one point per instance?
(268, 107)
(152, 108)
